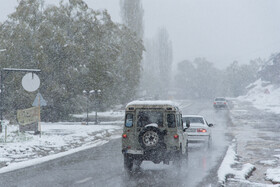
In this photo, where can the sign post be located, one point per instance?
(3, 125)
(38, 102)
(6, 133)
(39, 117)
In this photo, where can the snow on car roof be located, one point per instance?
(192, 115)
(152, 102)
(220, 98)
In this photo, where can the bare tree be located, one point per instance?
(164, 57)
(132, 15)
(157, 65)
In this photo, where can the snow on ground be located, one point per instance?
(278, 156)
(226, 169)
(264, 96)
(273, 175)
(31, 162)
(101, 114)
(268, 162)
(57, 139)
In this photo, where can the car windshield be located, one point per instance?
(148, 117)
(193, 119)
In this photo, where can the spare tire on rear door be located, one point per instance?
(150, 138)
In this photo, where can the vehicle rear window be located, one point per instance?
(171, 122)
(148, 117)
(219, 99)
(194, 119)
(129, 120)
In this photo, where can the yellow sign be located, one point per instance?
(28, 116)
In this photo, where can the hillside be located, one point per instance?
(263, 95)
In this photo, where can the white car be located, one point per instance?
(220, 102)
(199, 130)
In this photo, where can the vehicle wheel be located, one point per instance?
(128, 162)
(150, 138)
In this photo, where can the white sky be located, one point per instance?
(219, 30)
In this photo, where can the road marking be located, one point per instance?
(84, 180)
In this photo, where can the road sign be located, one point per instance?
(27, 116)
(43, 102)
(30, 82)
(4, 123)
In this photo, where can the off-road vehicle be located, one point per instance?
(153, 130)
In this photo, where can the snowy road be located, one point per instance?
(103, 166)
(257, 137)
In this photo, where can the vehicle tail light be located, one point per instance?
(124, 135)
(176, 136)
(225, 103)
(201, 130)
(214, 103)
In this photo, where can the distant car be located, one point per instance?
(220, 102)
(199, 130)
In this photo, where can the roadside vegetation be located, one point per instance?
(78, 48)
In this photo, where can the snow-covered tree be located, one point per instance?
(270, 70)
(76, 48)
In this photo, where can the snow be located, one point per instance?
(57, 140)
(225, 168)
(268, 162)
(19, 165)
(273, 174)
(193, 115)
(245, 172)
(26, 70)
(110, 113)
(156, 102)
(152, 125)
(278, 156)
(264, 96)
(230, 160)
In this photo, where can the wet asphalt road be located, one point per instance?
(103, 166)
(257, 138)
